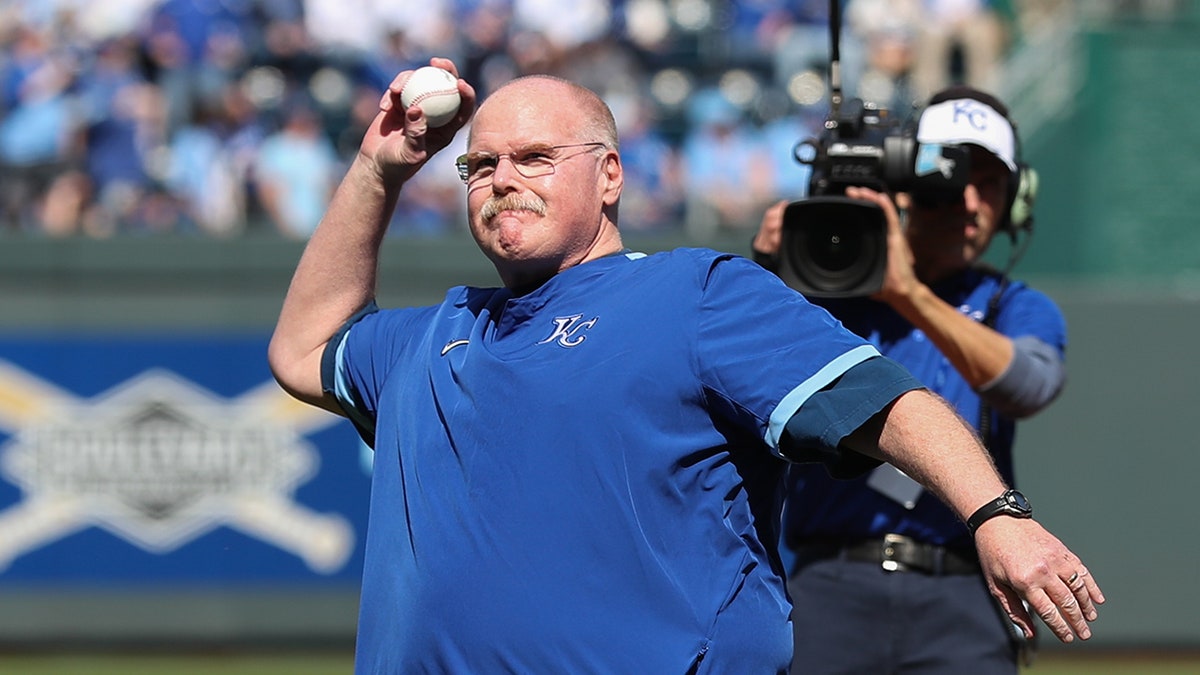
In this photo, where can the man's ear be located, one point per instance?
(614, 176)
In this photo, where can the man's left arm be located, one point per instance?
(921, 435)
(979, 353)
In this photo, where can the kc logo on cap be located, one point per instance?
(967, 121)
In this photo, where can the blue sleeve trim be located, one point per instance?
(333, 381)
(823, 377)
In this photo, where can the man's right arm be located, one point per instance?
(336, 274)
(334, 279)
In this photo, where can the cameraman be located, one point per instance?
(886, 579)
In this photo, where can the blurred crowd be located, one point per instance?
(225, 117)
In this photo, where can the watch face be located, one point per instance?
(1018, 501)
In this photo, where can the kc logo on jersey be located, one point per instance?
(159, 461)
(568, 330)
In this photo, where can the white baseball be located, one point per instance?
(435, 91)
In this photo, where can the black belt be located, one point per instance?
(893, 552)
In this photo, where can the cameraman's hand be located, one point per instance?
(900, 280)
(769, 239)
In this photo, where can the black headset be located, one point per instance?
(1023, 183)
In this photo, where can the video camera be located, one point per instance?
(834, 246)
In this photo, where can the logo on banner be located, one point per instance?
(159, 461)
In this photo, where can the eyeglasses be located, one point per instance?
(530, 162)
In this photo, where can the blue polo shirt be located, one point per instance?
(585, 479)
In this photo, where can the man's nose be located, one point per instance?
(504, 173)
(971, 198)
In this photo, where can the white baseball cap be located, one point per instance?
(967, 121)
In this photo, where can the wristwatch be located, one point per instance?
(1011, 503)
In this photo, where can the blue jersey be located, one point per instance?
(820, 507)
(582, 479)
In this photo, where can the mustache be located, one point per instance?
(511, 202)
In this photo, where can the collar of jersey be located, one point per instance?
(518, 309)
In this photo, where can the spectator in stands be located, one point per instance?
(295, 171)
(654, 196)
(727, 168)
(125, 126)
(210, 162)
(959, 41)
(39, 137)
(781, 134)
(800, 40)
(185, 51)
(888, 30)
(193, 49)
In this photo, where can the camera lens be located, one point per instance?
(834, 247)
(835, 256)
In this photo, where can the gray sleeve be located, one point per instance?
(1033, 379)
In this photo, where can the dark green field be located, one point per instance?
(325, 663)
(165, 664)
